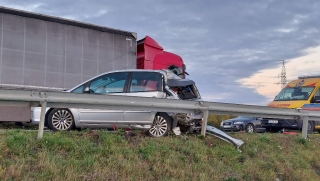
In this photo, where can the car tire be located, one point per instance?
(60, 119)
(250, 128)
(310, 127)
(161, 126)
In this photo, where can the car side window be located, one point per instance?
(109, 83)
(316, 97)
(78, 89)
(317, 93)
(145, 82)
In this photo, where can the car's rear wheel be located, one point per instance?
(161, 126)
(60, 119)
(250, 128)
(310, 127)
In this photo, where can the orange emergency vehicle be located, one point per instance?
(296, 94)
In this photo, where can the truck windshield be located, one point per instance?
(294, 93)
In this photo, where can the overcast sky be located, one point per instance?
(231, 48)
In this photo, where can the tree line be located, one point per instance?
(215, 120)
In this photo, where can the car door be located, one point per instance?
(143, 84)
(108, 84)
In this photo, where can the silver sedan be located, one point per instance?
(143, 83)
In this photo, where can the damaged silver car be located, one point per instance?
(143, 83)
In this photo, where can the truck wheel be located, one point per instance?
(250, 128)
(310, 127)
(60, 119)
(161, 126)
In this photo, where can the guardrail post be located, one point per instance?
(42, 118)
(304, 126)
(204, 122)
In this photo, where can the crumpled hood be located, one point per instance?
(179, 82)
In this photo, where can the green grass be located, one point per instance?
(102, 155)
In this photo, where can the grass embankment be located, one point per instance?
(102, 155)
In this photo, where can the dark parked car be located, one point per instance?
(240, 123)
(284, 124)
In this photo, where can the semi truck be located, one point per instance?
(150, 55)
(303, 93)
(45, 52)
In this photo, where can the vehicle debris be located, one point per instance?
(224, 136)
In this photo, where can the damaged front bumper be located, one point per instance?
(188, 122)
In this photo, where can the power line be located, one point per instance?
(233, 84)
(230, 75)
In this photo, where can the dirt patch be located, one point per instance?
(94, 136)
(209, 143)
(316, 168)
(8, 155)
(134, 137)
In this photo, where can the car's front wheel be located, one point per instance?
(60, 119)
(250, 128)
(161, 126)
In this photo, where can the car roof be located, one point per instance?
(134, 70)
(166, 73)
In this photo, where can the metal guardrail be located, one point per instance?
(66, 100)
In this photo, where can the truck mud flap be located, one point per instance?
(224, 136)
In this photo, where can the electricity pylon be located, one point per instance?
(283, 76)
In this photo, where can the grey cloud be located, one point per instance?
(213, 87)
(227, 39)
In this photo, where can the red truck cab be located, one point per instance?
(150, 55)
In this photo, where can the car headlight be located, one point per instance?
(238, 122)
(189, 116)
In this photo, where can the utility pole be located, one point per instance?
(283, 76)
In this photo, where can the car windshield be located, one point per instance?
(243, 117)
(294, 93)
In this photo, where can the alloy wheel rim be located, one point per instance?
(250, 129)
(62, 120)
(159, 127)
